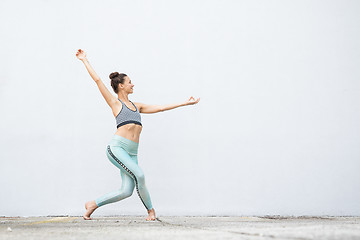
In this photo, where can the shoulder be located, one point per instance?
(117, 107)
(138, 105)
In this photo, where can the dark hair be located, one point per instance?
(116, 78)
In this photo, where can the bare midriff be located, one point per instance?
(130, 131)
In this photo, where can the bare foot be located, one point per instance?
(151, 216)
(90, 208)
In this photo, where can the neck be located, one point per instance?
(123, 96)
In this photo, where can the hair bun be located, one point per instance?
(114, 75)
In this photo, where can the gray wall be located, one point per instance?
(276, 130)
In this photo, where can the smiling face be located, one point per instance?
(127, 86)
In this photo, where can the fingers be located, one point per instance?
(193, 98)
(193, 102)
(80, 53)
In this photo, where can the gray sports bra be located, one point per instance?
(126, 116)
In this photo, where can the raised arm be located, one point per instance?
(109, 98)
(145, 108)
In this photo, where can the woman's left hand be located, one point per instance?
(192, 101)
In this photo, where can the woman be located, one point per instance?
(123, 147)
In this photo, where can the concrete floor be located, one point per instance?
(175, 227)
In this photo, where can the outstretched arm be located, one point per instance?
(109, 98)
(145, 108)
(82, 56)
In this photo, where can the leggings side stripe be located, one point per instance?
(128, 170)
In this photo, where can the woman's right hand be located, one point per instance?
(81, 54)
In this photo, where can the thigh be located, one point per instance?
(134, 159)
(127, 182)
(123, 160)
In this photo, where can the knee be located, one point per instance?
(127, 193)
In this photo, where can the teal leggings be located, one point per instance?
(122, 152)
